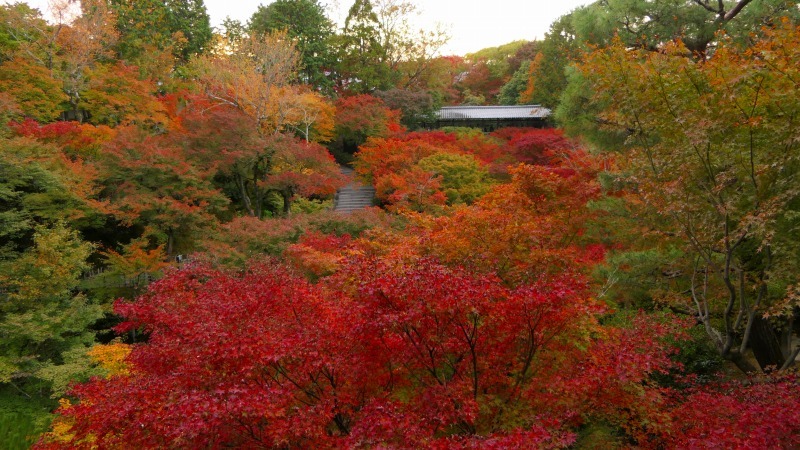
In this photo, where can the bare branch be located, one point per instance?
(736, 10)
(707, 6)
(790, 361)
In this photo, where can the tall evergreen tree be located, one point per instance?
(191, 19)
(363, 57)
(306, 23)
(545, 73)
(153, 25)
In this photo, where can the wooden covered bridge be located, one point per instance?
(490, 118)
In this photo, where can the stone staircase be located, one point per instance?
(353, 196)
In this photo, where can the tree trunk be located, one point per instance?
(741, 362)
(243, 192)
(287, 201)
(765, 344)
(170, 244)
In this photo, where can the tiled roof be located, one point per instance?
(493, 112)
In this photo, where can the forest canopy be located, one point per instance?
(174, 272)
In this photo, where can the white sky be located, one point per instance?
(472, 24)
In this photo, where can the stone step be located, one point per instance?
(362, 198)
(352, 206)
(357, 189)
(354, 196)
(355, 201)
(358, 197)
(365, 202)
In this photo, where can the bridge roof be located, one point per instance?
(493, 112)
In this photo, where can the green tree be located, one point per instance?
(546, 72)
(648, 24)
(464, 179)
(44, 324)
(517, 73)
(190, 18)
(515, 86)
(305, 22)
(23, 31)
(178, 27)
(498, 59)
(380, 49)
(711, 149)
(641, 24)
(362, 66)
(38, 186)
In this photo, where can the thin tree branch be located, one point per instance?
(736, 10)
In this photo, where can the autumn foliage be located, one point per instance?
(422, 171)
(359, 117)
(756, 413)
(511, 289)
(434, 338)
(383, 353)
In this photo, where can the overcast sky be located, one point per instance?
(472, 24)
